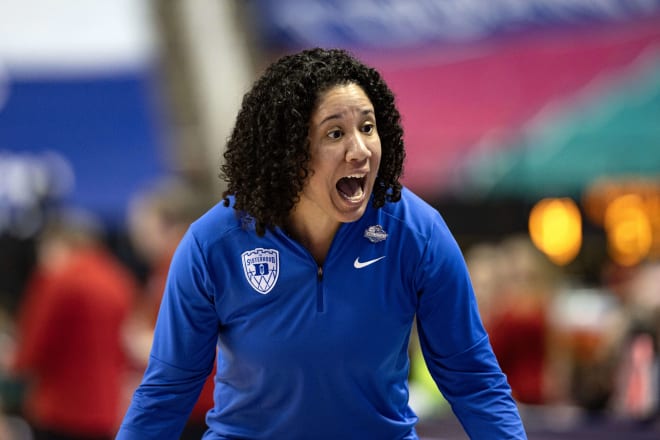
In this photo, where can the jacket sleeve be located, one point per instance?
(455, 345)
(182, 353)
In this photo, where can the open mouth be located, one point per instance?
(351, 188)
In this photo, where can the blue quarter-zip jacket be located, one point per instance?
(309, 352)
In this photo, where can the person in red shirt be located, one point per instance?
(69, 347)
(518, 320)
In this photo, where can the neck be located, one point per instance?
(315, 236)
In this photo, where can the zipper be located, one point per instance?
(320, 300)
(320, 306)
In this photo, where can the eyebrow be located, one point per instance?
(338, 115)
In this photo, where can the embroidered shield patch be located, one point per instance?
(261, 268)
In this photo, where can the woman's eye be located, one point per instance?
(368, 128)
(334, 134)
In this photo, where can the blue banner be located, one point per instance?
(412, 23)
(86, 141)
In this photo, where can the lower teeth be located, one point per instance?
(356, 196)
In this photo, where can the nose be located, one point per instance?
(356, 148)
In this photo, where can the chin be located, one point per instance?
(351, 218)
(352, 213)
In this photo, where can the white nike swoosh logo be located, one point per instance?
(360, 264)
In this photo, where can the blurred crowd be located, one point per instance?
(572, 352)
(76, 346)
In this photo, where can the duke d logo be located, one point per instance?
(261, 268)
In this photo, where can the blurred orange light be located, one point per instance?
(629, 230)
(555, 227)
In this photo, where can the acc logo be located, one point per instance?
(261, 268)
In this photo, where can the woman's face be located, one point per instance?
(345, 155)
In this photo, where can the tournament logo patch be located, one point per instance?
(261, 268)
(375, 234)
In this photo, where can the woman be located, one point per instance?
(309, 276)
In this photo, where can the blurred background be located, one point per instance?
(532, 126)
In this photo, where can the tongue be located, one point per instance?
(349, 187)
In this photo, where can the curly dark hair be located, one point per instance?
(267, 155)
